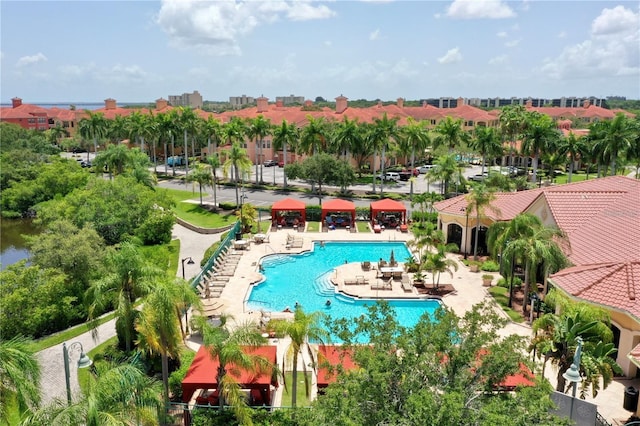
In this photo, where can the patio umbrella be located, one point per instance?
(392, 260)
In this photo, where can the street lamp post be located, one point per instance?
(243, 197)
(83, 362)
(190, 262)
(572, 375)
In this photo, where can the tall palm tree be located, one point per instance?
(188, 122)
(159, 325)
(538, 135)
(258, 129)
(314, 136)
(122, 394)
(238, 161)
(618, 137)
(213, 162)
(437, 263)
(225, 344)
(511, 119)
(202, 175)
(117, 129)
(303, 328)
(19, 377)
(446, 167)
(449, 133)
(478, 199)
(116, 158)
(347, 135)
(285, 135)
(414, 137)
(385, 134)
(212, 129)
(486, 142)
(93, 127)
(132, 277)
(573, 146)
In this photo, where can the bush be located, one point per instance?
(490, 266)
(226, 205)
(504, 282)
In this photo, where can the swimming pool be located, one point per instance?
(305, 278)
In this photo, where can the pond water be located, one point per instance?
(13, 247)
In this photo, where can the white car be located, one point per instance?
(426, 168)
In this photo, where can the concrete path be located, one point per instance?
(53, 384)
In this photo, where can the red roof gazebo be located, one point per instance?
(388, 206)
(203, 370)
(339, 206)
(333, 355)
(289, 205)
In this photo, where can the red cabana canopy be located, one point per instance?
(388, 206)
(334, 355)
(203, 371)
(289, 205)
(339, 206)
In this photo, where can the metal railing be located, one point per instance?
(601, 421)
(223, 245)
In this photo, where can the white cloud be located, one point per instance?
(479, 9)
(512, 43)
(611, 51)
(502, 34)
(215, 27)
(562, 34)
(375, 35)
(452, 55)
(328, 43)
(499, 60)
(29, 60)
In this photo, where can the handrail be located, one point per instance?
(210, 263)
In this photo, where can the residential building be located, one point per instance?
(601, 219)
(193, 100)
(241, 101)
(27, 116)
(290, 100)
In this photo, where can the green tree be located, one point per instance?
(115, 158)
(93, 127)
(202, 175)
(555, 339)
(285, 135)
(511, 119)
(319, 169)
(188, 123)
(121, 394)
(574, 147)
(478, 200)
(159, 325)
(539, 134)
(237, 161)
(414, 137)
(384, 134)
(486, 142)
(446, 167)
(449, 133)
(258, 128)
(131, 277)
(303, 328)
(19, 376)
(225, 344)
(437, 263)
(213, 163)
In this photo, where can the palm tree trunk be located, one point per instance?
(261, 166)
(165, 379)
(475, 245)
(534, 163)
(527, 283)
(186, 154)
(284, 162)
(382, 172)
(166, 166)
(294, 379)
(257, 161)
(173, 153)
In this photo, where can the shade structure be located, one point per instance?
(388, 206)
(338, 206)
(333, 355)
(286, 205)
(203, 371)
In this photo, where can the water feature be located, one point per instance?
(13, 246)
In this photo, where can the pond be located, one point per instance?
(12, 243)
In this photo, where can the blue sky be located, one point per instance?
(58, 51)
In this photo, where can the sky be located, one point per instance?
(140, 51)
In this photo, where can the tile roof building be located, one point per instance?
(601, 218)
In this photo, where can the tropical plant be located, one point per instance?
(615, 137)
(19, 377)
(478, 200)
(538, 135)
(414, 137)
(303, 328)
(486, 142)
(446, 167)
(574, 147)
(213, 163)
(437, 262)
(188, 122)
(384, 136)
(238, 162)
(285, 135)
(93, 127)
(258, 128)
(511, 119)
(202, 175)
(449, 133)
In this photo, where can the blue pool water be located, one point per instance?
(305, 278)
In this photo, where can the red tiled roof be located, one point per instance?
(507, 205)
(615, 284)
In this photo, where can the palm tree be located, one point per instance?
(303, 328)
(573, 146)
(188, 122)
(201, 175)
(132, 277)
(213, 162)
(618, 137)
(478, 199)
(122, 394)
(414, 137)
(19, 376)
(212, 129)
(446, 168)
(116, 158)
(538, 135)
(159, 325)
(384, 134)
(437, 262)
(258, 129)
(93, 127)
(238, 161)
(347, 135)
(486, 142)
(225, 344)
(450, 134)
(511, 121)
(285, 135)
(555, 338)
(313, 138)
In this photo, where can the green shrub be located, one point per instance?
(176, 378)
(504, 282)
(490, 266)
(226, 205)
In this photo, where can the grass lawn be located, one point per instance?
(199, 216)
(501, 295)
(313, 226)
(363, 226)
(301, 396)
(63, 336)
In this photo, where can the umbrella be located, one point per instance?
(392, 260)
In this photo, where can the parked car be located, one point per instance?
(406, 174)
(175, 161)
(390, 176)
(85, 164)
(479, 177)
(426, 168)
(270, 163)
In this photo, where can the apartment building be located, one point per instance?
(290, 100)
(241, 101)
(193, 100)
